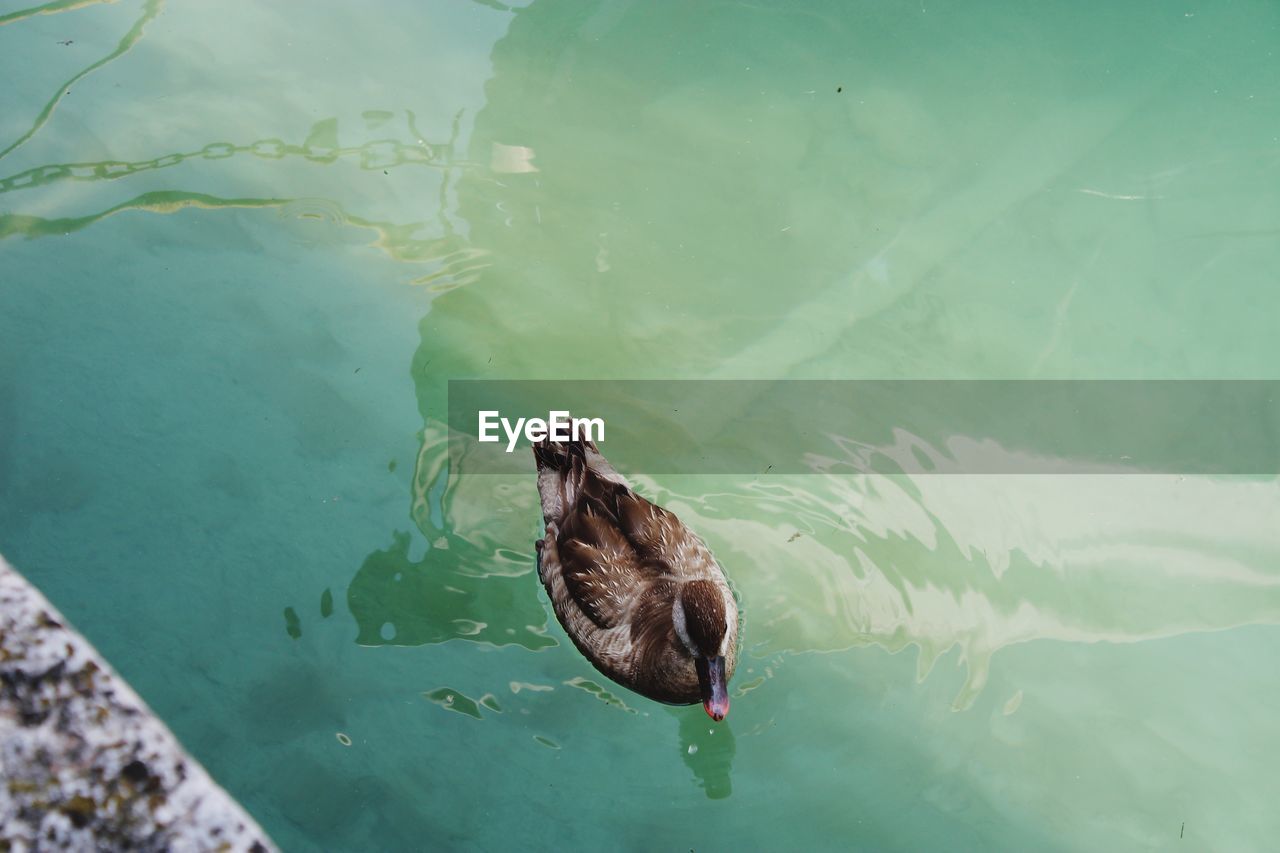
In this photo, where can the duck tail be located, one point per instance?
(560, 455)
(562, 473)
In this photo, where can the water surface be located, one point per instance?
(243, 249)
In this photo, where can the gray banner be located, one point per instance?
(928, 426)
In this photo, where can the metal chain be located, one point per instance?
(378, 154)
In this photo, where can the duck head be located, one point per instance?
(701, 620)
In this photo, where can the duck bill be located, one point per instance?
(715, 693)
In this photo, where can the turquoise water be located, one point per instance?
(244, 248)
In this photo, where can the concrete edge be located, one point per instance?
(84, 763)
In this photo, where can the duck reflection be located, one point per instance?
(708, 750)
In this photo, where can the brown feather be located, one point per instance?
(662, 670)
(614, 564)
(704, 615)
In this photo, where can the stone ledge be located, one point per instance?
(84, 764)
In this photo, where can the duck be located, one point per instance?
(640, 594)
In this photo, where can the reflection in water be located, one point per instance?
(588, 686)
(321, 146)
(444, 596)
(455, 700)
(150, 9)
(469, 584)
(164, 201)
(452, 264)
(49, 9)
(451, 261)
(708, 750)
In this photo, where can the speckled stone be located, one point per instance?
(84, 764)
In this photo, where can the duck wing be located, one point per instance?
(659, 538)
(601, 570)
(589, 483)
(605, 542)
(658, 535)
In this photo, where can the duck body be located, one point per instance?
(640, 595)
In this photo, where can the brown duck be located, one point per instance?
(638, 592)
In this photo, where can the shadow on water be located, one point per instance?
(470, 584)
(400, 601)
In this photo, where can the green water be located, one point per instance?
(244, 246)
